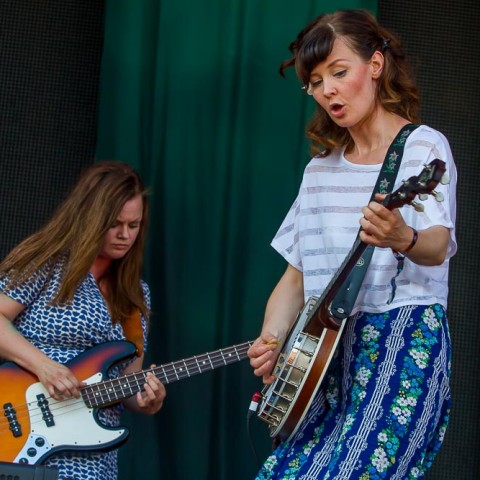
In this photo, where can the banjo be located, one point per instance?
(311, 343)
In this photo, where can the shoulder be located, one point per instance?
(429, 137)
(146, 292)
(333, 158)
(332, 163)
(424, 145)
(145, 288)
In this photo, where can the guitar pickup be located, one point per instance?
(11, 415)
(45, 409)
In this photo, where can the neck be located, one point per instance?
(99, 267)
(374, 137)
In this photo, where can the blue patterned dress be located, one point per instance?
(396, 387)
(62, 334)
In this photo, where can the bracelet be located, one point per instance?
(413, 242)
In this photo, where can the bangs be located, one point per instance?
(316, 47)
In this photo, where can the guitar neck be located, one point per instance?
(344, 270)
(320, 309)
(112, 391)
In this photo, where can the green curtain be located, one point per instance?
(190, 95)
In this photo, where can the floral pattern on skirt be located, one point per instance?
(384, 406)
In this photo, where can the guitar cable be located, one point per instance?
(251, 410)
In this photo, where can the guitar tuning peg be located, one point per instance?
(418, 207)
(423, 196)
(445, 179)
(438, 196)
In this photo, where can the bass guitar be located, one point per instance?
(313, 338)
(33, 425)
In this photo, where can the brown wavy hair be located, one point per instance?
(74, 235)
(397, 90)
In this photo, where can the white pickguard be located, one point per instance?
(75, 426)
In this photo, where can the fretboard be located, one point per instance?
(111, 391)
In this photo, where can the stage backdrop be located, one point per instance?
(441, 38)
(190, 95)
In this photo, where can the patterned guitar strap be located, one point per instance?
(344, 300)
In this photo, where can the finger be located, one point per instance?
(257, 362)
(269, 379)
(265, 369)
(62, 393)
(368, 226)
(154, 383)
(150, 392)
(70, 387)
(265, 347)
(140, 400)
(55, 393)
(379, 210)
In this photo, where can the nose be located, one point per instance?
(328, 88)
(123, 232)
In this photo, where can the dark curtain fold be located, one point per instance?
(190, 95)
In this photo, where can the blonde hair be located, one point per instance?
(74, 236)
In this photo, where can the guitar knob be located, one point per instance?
(31, 452)
(40, 442)
(418, 207)
(438, 196)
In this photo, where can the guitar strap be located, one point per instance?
(344, 300)
(133, 329)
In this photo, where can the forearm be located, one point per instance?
(384, 228)
(430, 247)
(59, 381)
(16, 348)
(286, 300)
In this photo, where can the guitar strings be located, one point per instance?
(170, 372)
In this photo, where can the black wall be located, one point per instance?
(50, 54)
(443, 41)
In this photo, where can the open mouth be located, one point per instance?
(336, 108)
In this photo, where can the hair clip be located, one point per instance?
(385, 43)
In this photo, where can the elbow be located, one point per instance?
(431, 260)
(435, 262)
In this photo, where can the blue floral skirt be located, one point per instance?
(383, 409)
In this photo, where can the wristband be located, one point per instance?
(413, 242)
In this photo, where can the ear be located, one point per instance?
(376, 63)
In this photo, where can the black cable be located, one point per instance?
(251, 410)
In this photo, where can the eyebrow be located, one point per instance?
(332, 64)
(138, 219)
(338, 60)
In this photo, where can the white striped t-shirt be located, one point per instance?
(321, 226)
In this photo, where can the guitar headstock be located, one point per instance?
(422, 185)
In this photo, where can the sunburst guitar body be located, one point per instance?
(33, 425)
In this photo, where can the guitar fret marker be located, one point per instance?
(97, 393)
